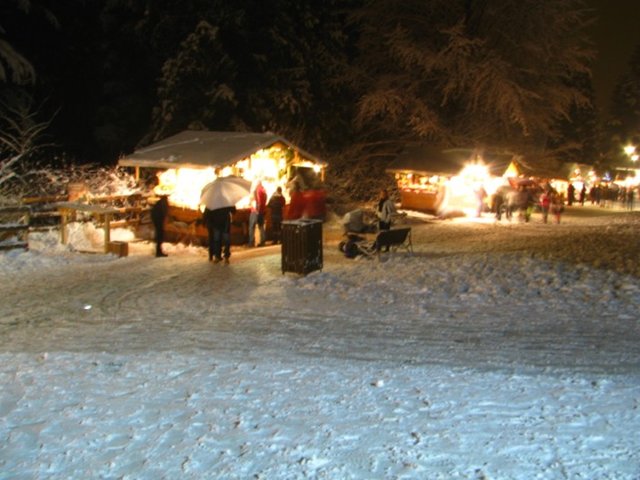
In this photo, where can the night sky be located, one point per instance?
(616, 34)
(88, 94)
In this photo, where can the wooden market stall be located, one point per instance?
(434, 179)
(184, 163)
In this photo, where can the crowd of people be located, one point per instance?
(523, 200)
(512, 203)
(219, 221)
(519, 203)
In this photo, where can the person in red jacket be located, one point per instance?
(258, 211)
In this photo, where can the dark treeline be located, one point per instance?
(350, 80)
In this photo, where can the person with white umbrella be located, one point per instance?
(219, 198)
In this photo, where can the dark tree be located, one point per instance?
(258, 65)
(470, 72)
(623, 126)
(575, 136)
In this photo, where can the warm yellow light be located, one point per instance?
(183, 185)
(634, 157)
(512, 171)
(629, 150)
(477, 172)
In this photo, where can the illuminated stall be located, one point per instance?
(554, 174)
(445, 181)
(186, 162)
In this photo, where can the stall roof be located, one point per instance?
(529, 167)
(429, 160)
(197, 149)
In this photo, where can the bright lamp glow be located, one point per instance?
(629, 150)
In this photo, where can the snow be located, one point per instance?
(495, 351)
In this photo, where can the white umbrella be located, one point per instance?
(224, 192)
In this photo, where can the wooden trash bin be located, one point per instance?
(301, 246)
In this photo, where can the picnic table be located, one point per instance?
(69, 210)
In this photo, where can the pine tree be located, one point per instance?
(624, 121)
(258, 65)
(470, 72)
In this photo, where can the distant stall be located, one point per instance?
(186, 162)
(553, 174)
(444, 180)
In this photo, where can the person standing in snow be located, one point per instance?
(583, 194)
(258, 211)
(571, 194)
(218, 222)
(159, 214)
(557, 206)
(545, 204)
(296, 199)
(276, 205)
(384, 210)
(481, 195)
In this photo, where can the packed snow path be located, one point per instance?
(471, 295)
(495, 352)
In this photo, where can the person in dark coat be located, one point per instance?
(571, 194)
(158, 216)
(218, 222)
(276, 205)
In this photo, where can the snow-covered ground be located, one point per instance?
(496, 351)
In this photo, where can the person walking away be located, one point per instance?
(583, 194)
(545, 204)
(481, 194)
(258, 211)
(276, 205)
(218, 222)
(384, 210)
(630, 198)
(497, 203)
(520, 203)
(557, 206)
(159, 214)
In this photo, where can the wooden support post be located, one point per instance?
(107, 232)
(63, 225)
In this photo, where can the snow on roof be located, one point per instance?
(197, 149)
(431, 160)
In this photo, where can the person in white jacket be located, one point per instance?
(385, 210)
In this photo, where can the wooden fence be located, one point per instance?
(14, 227)
(54, 212)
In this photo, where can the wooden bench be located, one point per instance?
(391, 240)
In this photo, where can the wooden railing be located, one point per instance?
(14, 227)
(55, 212)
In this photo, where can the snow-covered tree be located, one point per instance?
(14, 66)
(575, 137)
(197, 85)
(257, 65)
(471, 72)
(20, 136)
